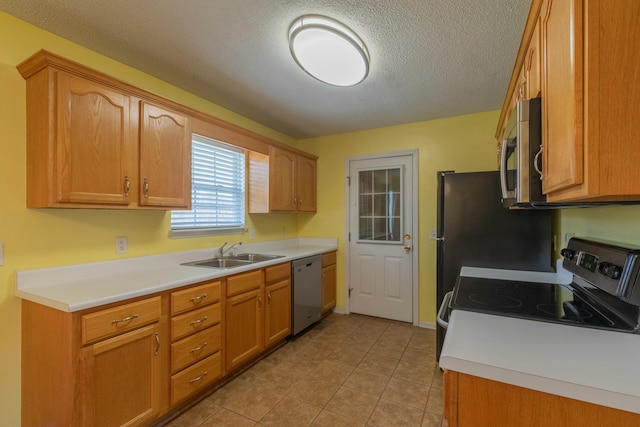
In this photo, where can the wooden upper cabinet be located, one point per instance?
(165, 157)
(92, 141)
(563, 94)
(306, 183)
(588, 62)
(283, 181)
(533, 65)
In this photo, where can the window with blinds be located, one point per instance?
(217, 190)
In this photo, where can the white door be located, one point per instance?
(381, 273)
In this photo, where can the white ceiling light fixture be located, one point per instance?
(328, 50)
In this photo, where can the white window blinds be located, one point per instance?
(217, 188)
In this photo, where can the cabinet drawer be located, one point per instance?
(113, 321)
(194, 348)
(195, 378)
(197, 296)
(277, 272)
(194, 321)
(328, 259)
(244, 282)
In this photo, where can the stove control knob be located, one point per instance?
(568, 253)
(610, 270)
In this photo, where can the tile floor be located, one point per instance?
(350, 370)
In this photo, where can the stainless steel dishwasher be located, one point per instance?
(306, 292)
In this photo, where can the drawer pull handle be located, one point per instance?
(125, 319)
(193, 350)
(268, 298)
(199, 378)
(146, 188)
(196, 300)
(259, 302)
(127, 186)
(197, 322)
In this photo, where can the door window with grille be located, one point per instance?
(380, 205)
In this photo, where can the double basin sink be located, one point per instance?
(233, 261)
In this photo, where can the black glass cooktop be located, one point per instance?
(538, 301)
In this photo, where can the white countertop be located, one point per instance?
(592, 365)
(78, 287)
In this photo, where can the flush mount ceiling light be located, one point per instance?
(328, 50)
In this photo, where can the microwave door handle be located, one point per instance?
(506, 194)
(536, 160)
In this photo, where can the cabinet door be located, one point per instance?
(277, 312)
(122, 379)
(306, 184)
(532, 65)
(94, 151)
(328, 288)
(282, 175)
(244, 328)
(165, 157)
(562, 80)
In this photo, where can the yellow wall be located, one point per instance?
(35, 238)
(619, 224)
(463, 144)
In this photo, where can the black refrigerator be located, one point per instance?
(476, 230)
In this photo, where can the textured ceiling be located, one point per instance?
(429, 58)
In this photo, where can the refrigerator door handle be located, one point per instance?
(443, 309)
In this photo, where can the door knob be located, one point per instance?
(407, 248)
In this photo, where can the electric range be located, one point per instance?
(600, 288)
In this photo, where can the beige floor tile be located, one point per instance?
(392, 414)
(417, 373)
(431, 420)
(352, 403)
(281, 379)
(332, 370)
(194, 416)
(350, 370)
(415, 355)
(290, 412)
(329, 419)
(388, 349)
(226, 418)
(347, 356)
(367, 381)
(379, 364)
(422, 342)
(315, 390)
(255, 402)
(435, 404)
(406, 392)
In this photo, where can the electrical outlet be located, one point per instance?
(568, 236)
(122, 245)
(252, 234)
(432, 234)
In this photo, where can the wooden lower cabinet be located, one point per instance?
(121, 379)
(328, 282)
(277, 316)
(244, 328)
(114, 381)
(479, 402)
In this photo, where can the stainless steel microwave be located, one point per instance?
(520, 156)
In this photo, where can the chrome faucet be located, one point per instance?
(222, 251)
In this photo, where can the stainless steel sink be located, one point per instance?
(232, 261)
(255, 257)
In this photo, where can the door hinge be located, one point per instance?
(350, 289)
(348, 180)
(349, 236)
